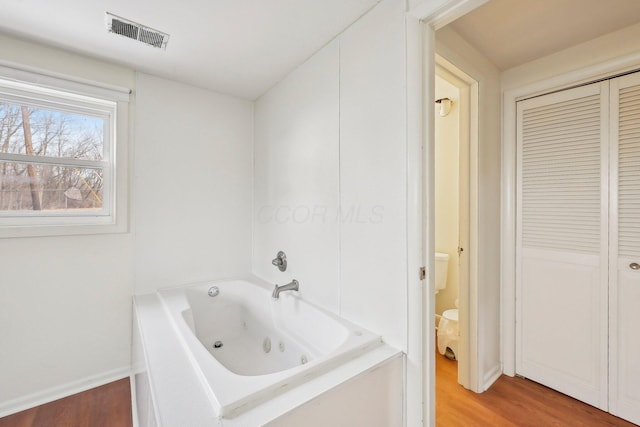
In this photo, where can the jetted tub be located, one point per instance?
(249, 347)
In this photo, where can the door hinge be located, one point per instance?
(423, 273)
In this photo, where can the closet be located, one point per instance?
(578, 243)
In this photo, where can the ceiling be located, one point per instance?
(239, 47)
(512, 32)
(244, 47)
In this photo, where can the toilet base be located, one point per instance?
(449, 354)
(448, 334)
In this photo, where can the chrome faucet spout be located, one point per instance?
(293, 286)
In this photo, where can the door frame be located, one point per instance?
(468, 231)
(423, 18)
(508, 218)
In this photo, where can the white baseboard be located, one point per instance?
(491, 376)
(54, 393)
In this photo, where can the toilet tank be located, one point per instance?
(442, 266)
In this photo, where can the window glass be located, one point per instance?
(51, 188)
(46, 132)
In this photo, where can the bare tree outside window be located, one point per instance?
(43, 181)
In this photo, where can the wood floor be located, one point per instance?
(106, 406)
(510, 402)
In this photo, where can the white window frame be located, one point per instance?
(33, 88)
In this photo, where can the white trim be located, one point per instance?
(49, 79)
(468, 368)
(113, 106)
(57, 161)
(414, 372)
(446, 14)
(54, 393)
(428, 228)
(491, 376)
(613, 241)
(620, 65)
(422, 315)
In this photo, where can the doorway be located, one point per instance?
(455, 168)
(484, 364)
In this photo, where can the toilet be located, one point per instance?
(442, 267)
(448, 325)
(448, 334)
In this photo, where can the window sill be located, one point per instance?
(70, 229)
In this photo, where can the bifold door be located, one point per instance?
(578, 243)
(624, 281)
(562, 242)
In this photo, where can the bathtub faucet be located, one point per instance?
(293, 286)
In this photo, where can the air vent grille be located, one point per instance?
(135, 31)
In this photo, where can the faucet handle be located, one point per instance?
(280, 261)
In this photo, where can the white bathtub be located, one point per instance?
(265, 346)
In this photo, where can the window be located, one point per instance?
(58, 158)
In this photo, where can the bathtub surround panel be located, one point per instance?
(296, 184)
(373, 173)
(192, 184)
(330, 147)
(65, 306)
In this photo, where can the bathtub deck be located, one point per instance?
(105, 406)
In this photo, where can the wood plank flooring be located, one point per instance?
(510, 402)
(105, 406)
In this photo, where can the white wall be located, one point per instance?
(330, 175)
(296, 187)
(192, 184)
(65, 302)
(597, 51)
(460, 53)
(447, 190)
(65, 306)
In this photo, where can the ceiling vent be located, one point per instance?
(135, 31)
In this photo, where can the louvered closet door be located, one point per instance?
(562, 238)
(624, 300)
